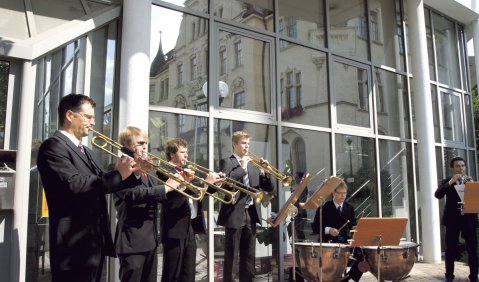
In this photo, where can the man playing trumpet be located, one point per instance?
(240, 219)
(182, 217)
(136, 237)
(457, 223)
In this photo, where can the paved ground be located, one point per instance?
(429, 272)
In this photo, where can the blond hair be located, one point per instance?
(238, 135)
(128, 135)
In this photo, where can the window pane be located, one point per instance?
(349, 28)
(445, 38)
(430, 50)
(451, 118)
(392, 104)
(469, 118)
(4, 71)
(305, 103)
(355, 162)
(397, 186)
(386, 33)
(301, 154)
(257, 14)
(435, 113)
(180, 65)
(352, 95)
(303, 22)
(262, 143)
(248, 73)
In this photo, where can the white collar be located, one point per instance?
(71, 137)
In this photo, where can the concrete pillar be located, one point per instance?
(430, 220)
(22, 176)
(475, 37)
(135, 64)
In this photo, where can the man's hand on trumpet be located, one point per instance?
(126, 166)
(215, 178)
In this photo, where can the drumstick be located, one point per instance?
(344, 225)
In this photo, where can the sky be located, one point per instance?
(168, 22)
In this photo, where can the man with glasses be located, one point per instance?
(335, 214)
(75, 188)
(136, 237)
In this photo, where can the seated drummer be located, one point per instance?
(336, 228)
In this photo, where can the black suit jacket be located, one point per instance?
(176, 214)
(75, 188)
(231, 216)
(452, 214)
(332, 218)
(137, 207)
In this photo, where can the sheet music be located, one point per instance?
(460, 191)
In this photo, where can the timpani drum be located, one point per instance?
(335, 260)
(396, 261)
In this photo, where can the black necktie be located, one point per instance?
(339, 210)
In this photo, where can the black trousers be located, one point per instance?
(240, 242)
(452, 240)
(139, 267)
(85, 274)
(179, 259)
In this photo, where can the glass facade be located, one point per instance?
(322, 88)
(339, 99)
(4, 71)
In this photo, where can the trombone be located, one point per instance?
(261, 164)
(102, 142)
(232, 195)
(254, 193)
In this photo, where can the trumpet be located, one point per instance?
(107, 145)
(232, 195)
(254, 193)
(261, 164)
(467, 178)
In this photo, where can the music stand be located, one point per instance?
(317, 200)
(290, 209)
(471, 197)
(375, 231)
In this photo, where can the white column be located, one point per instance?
(430, 219)
(475, 37)
(135, 64)
(22, 176)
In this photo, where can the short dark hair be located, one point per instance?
(456, 159)
(72, 102)
(173, 145)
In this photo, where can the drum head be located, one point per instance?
(363, 266)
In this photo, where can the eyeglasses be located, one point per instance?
(85, 116)
(341, 193)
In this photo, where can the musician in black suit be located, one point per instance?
(136, 237)
(240, 219)
(335, 214)
(457, 223)
(75, 188)
(182, 217)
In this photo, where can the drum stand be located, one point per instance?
(293, 212)
(321, 203)
(378, 238)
